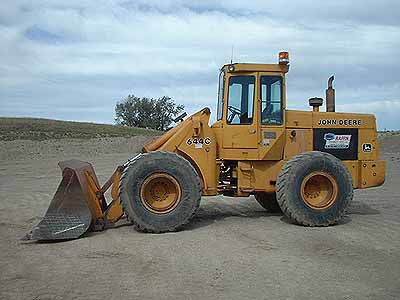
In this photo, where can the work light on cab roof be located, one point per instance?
(284, 58)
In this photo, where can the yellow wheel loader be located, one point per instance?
(305, 163)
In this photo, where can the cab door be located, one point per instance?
(272, 106)
(240, 124)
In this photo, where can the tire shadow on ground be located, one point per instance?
(361, 208)
(206, 216)
(345, 220)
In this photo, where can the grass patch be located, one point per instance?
(45, 129)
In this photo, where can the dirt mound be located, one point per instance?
(46, 129)
(70, 148)
(29, 138)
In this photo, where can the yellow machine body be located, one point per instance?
(241, 154)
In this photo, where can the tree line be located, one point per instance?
(147, 112)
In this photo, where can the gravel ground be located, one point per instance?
(232, 249)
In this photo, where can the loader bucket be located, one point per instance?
(72, 209)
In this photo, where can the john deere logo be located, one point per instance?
(367, 147)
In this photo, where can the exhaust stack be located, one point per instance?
(330, 95)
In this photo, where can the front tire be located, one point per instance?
(314, 189)
(160, 191)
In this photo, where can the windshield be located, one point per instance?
(240, 100)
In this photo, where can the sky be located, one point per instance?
(73, 60)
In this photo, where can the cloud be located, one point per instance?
(387, 112)
(75, 59)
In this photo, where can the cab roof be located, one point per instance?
(249, 67)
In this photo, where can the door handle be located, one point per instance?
(252, 131)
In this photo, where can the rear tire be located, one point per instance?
(314, 189)
(160, 191)
(268, 201)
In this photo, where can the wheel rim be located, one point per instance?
(319, 190)
(160, 193)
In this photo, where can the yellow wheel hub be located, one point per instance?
(160, 193)
(319, 190)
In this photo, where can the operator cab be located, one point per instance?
(251, 103)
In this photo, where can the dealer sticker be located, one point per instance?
(337, 141)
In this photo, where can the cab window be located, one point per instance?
(271, 100)
(220, 105)
(240, 100)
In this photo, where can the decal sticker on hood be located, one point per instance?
(337, 141)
